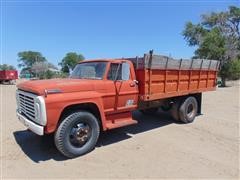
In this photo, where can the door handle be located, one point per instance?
(132, 84)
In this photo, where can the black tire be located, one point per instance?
(149, 111)
(188, 110)
(174, 111)
(72, 140)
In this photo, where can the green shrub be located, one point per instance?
(50, 75)
(231, 70)
(234, 69)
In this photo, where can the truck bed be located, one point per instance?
(163, 77)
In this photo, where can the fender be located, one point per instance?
(56, 103)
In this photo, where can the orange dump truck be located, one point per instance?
(101, 94)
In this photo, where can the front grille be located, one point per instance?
(26, 105)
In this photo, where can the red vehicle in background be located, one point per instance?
(8, 76)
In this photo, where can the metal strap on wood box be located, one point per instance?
(159, 62)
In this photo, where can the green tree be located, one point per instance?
(231, 69)
(26, 59)
(44, 70)
(70, 60)
(39, 68)
(217, 36)
(7, 67)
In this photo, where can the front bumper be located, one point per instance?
(38, 129)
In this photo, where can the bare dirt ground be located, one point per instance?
(155, 148)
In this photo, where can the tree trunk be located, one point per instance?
(223, 79)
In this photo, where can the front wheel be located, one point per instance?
(77, 134)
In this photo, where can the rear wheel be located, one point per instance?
(175, 109)
(188, 109)
(77, 134)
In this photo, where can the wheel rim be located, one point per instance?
(190, 110)
(80, 134)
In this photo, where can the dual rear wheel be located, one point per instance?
(182, 109)
(185, 110)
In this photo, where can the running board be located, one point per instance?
(120, 123)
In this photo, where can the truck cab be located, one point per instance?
(105, 91)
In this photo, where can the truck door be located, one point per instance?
(126, 88)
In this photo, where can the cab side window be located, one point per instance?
(125, 71)
(119, 71)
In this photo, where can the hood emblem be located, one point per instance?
(52, 91)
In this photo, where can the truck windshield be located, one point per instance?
(89, 70)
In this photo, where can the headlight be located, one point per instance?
(37, 111)
(41, 110)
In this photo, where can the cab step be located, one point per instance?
(120, 123)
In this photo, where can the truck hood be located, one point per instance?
(64, 85)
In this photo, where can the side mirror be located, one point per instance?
(135, 81)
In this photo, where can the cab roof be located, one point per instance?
(104, 60)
